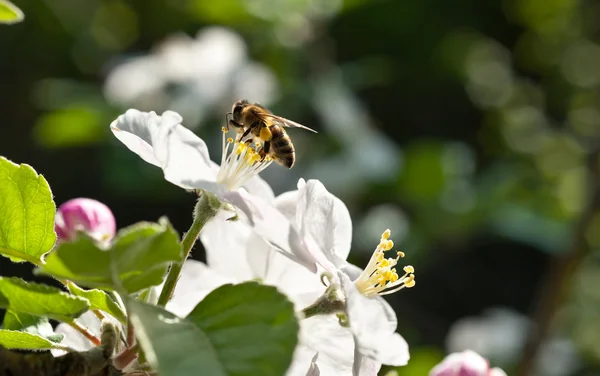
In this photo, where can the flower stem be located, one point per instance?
(86, 333)
(206, 208)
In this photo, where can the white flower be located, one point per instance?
(325, 227)
(184, 159)
(236, 254)
(191, 75)
(323, 224)
(499, 334)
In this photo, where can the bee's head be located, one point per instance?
(237, 108)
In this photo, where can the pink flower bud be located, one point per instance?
(466, 363)
(87, 215)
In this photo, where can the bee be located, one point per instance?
(265, 128)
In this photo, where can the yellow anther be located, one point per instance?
(225, 130)
(387, 275)
(380, 276)
(230, 140)
(257, 144)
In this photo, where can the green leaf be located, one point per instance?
(10, 13)
(12, 339)
(67, 127)
(99, 300)
(138, 258)
(26, 213)
(36, 325)
(237, 330)
(40, 300)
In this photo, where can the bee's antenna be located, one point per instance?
(227, 119)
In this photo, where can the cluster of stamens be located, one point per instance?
(240, 162)
(380, 276)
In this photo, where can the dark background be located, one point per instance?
(463, 126)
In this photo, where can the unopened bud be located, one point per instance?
(86, 215)
(466, 363)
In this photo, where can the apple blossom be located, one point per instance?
(466, 363)
(236, 254)
(325, 227)
(85, 215)
(367, 336)
(184, 159)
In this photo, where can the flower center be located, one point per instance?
(380, 276)
(240, 162)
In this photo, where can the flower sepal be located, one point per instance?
(331, 302)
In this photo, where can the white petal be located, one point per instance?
(334, 343)
(373, 324)
(135, 130)
(351, 270)
(226, 244)
(196, 281)
(258, 187)
(164, 142)
(184, 156)
(301, 285)
(287, 203)
(303, 362)
(364, 366)
(232, 248)
(325, 221)
(271, 225)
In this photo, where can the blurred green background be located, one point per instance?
(469, 128)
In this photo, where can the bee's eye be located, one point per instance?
(237, 109)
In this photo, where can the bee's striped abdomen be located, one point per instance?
(282, 149)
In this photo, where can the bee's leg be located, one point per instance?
(247, 132)
(264, 151)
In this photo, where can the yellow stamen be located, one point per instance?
(380, 276)
(240, 162)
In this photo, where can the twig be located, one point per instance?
(561, 272)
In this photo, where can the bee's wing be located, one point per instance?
(287, 123)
